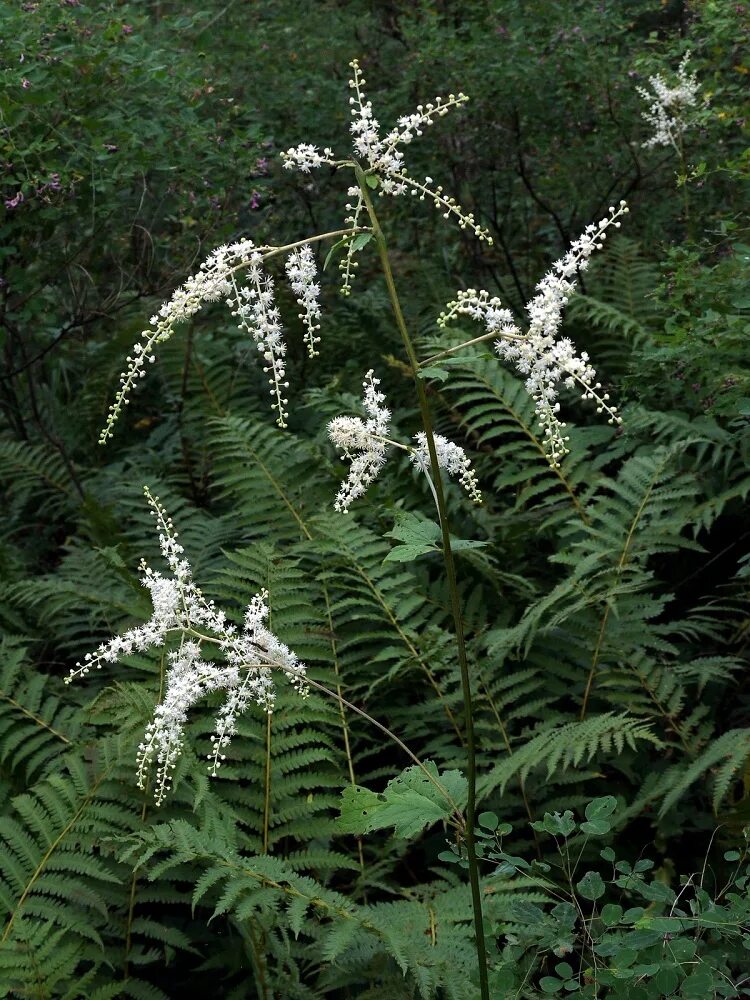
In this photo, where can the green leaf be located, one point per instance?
(591, 886)
(550, 985)
(601, 808)
(408, 553)
(698, 986)
(556, 824)
(665, 925)
(417, 535)
(611, 914)
(434, 371)
(360, 240)
(410, 802)
(372, 181)
(665, 981)
(357, 805)
(334, 248)
(488, 820)
(462, 544)
(597, 811)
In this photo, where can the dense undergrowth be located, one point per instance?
(604, 601)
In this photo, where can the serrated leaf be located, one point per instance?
(357, 805)
(413, 529)
(360, 240)
(410, 802)
(417, 534)
(434, 371)
(462, 544)
(408, 553)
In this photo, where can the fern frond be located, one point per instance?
(725, 755)
(567, 745)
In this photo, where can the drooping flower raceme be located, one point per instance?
(302, 272)
(235, 275)
(670, 111)
(365, 445)
(244, 667)
(539, 354)
(382, 158)
(362, 442)
(452, 458)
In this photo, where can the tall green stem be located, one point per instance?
(450, 572)
(684, 179)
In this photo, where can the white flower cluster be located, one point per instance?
(362, 442)
(305, 158)
(365, 445)
(452, 458)
(382, 158)
(244, 673)
(538, 354)
(254, 306)
(251, 303)
(302, 272)
(669, 107)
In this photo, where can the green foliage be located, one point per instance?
(418, 797)
(621, 930)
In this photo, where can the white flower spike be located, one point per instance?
(302, 272)
(670, 111)
(365, 445)
(382, 158)
(362, 442)
(538, 354)
(234, 274)
(244, 672)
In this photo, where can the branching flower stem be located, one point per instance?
(343, 702)
(492, 335)
(450, 570)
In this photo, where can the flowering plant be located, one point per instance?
(671, 108)
(237, 275)
(245, 672)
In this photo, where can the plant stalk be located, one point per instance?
(450, 571)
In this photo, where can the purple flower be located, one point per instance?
(25, 83)
(255, 200)
(15, 201)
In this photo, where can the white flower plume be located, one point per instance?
(235, 275)
(382, 158)
(302, 272)
(451, 458)
(362, 442)
(365, 445)
(538, 354)
(670, 108)
(247, 659)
